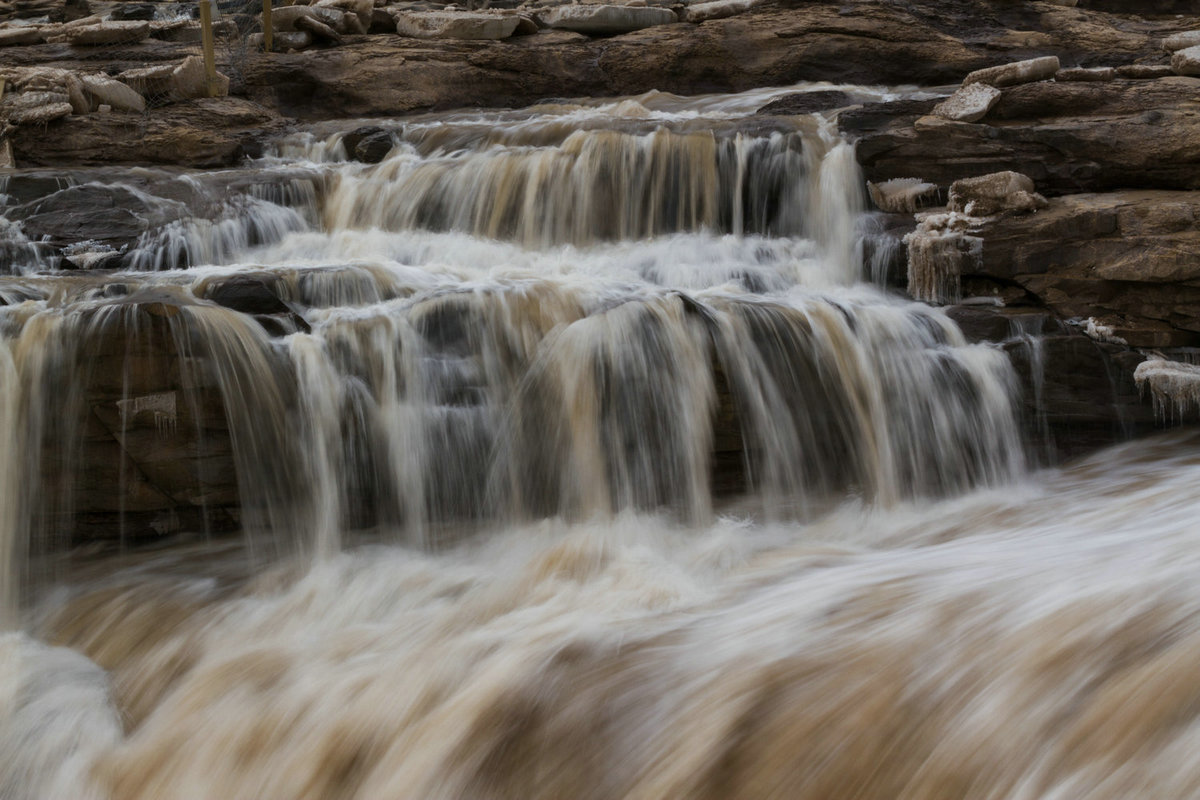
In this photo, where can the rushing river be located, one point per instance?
(570, 452)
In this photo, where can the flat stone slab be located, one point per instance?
(1186, 62)
(1085, 75)
(1182, 41)
(455, 25)
(718, 9)
(189, 80)
(109, 33)
(1144, 71)
(994, 193)
(21, 35)
(1035, 69)
(971, 103)
(28, 108)
(602, 20)
(113, 93)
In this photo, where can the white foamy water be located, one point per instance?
(1036, 642)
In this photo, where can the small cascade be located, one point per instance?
(886, 401)
(18, 255)
(239, 226)
(509, 400)
(599, 186)
(579, 312)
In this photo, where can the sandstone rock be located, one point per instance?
(902, 195)
(109, 92)
(373, 147)
(1186, 62)
(454, 25)
(31, 108)
(108, 216)
(22, 35)
(992, 323)
(133, 11)
(926, 42)
(283, 41)
(1143, 7)
(286, 17)
(606, 19)
(155, 81)
(363, 10)
(40, 114)
(1132, 257)
(1182, 41)
(107, 33)
(382, 21)
(189, 79)
(207, 132)
(1034, 69)
(1089, 74)
(993, 194)
(93, 19)
(180, 31)
(318, 29)
(1144, 71)
(970, 103)
(48, 79)
(247, 294)
(526, 26)
(1068, 137)
(69, 11)
(718, 9)
(1078, 394)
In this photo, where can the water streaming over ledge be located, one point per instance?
(570, 453)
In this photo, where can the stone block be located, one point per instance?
(970, 103)
(1035, 69)
(455, 25)
(606, 19)
(108, 33)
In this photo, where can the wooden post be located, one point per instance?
(268, 31)
(206, 41)
(6, 154)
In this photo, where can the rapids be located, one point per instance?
(572, 452)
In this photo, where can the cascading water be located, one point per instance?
(571, 456)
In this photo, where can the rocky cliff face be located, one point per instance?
(737, 46)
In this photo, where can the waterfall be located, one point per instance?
(569, 451)
(570, 315)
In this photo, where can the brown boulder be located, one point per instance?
(1130, 259)
(1068, 137)
(207, 132)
